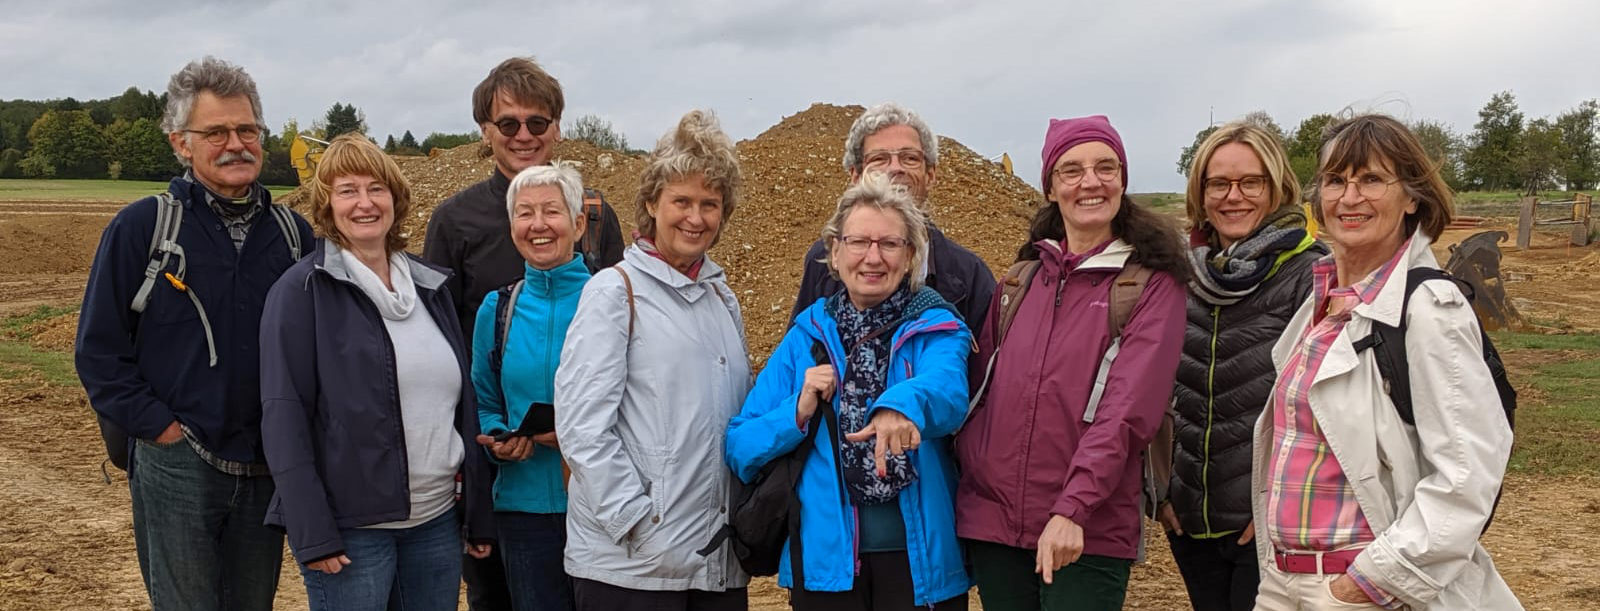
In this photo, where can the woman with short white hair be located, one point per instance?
(895, 373)
(516, 343)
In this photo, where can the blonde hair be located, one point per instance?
(697, 147)
(1283, 186)
(878, 192)
(353, 155)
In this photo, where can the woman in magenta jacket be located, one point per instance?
(1049, 503)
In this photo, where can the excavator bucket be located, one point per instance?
(1476, 261)
(304, 153)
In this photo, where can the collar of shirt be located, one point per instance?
(1336, 301)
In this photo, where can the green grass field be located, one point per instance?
(36, 190)
(1558, 415)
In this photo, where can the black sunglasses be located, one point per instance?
(509, 127)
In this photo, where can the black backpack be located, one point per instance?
(766, 512)
(1389, 350)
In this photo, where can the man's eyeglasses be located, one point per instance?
(888, 247)
(1371, 186)
(1072, 174)
(509, 127)
(218, 136)
(910, 159)
(1249, 186)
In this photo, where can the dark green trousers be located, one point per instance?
(1006, 581)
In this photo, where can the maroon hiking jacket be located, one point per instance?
(1026, 453)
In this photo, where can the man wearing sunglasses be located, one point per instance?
(892, 140)
(166, 349)
(518, 108)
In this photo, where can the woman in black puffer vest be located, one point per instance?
(1251, 252)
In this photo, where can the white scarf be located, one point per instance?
(393, 305)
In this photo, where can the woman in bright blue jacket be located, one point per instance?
(515, 383)
(877, 527)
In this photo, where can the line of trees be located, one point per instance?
(1503, 151)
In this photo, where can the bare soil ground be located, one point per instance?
(65, 533)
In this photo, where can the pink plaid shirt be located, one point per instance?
(1311, 506)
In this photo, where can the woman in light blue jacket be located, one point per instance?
(515, 383)
(877, 522)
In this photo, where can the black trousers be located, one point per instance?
(591, 595)
(1220, 574)
(486, 582)
(883, 585)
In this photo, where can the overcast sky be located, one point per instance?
(988, 74)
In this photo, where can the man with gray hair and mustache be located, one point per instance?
(167, 349)
(892, 140)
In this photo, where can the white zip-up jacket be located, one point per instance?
(641, 420)
(1425, 490)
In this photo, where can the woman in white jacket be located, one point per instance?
(1355, 507)
(653, 367)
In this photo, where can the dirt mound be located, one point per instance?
(57, 333)
(793, 178)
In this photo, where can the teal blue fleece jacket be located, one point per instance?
(528, 372)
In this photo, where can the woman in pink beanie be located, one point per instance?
(1049, 497)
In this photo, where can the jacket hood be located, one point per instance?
(1112, 258)
(927, 311)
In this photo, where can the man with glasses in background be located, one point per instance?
(893, 140)
(518, 108)
(167, 350)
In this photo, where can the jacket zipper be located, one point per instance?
(1211, 410)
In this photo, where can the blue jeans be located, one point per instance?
(199, 533)
(408, 569)
(532, 545)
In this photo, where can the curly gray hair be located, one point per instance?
(878, 192)
(885, 115)
(221, 78)
(562, 175)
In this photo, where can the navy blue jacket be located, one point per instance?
(142, 371)
(330, 416)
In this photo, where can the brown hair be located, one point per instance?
(1284, 187)
(526, 83)
(697, 147)
(1152, 235)
(1379, 140)
(354, 155)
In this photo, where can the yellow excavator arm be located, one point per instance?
(304, 154)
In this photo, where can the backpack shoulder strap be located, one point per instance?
(504, 308)
(592, 229)
(1389, 346)
(291, 233)
(1013, 286)
(627, 283)
(1126, 289)
(163, 245)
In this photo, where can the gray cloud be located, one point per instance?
(987, 74)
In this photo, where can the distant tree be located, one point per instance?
(10, 163)
(439, 140)
(388, 145)
(1543, 155)
(596, 131)
(1580, 130)
(1444, 147)
(342, 119)
(1186, 158)
(133, 105)
(66, 144)
(1496, 144)
(66, 104)
(408, 141)
(1260, 118)
(277, 170)
(140, 150)
(1305, 144)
